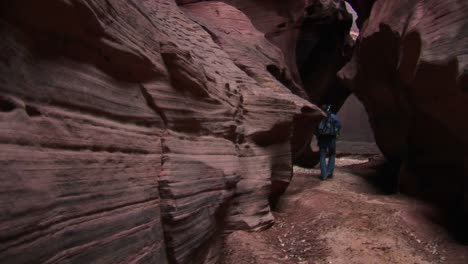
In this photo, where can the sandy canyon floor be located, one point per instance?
(347, 220)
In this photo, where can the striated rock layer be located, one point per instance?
(314, 38)
(259, 59)
(410, 71)
(132, 134)
(312, 34)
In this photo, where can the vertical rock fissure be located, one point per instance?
(152, 104)
(160, 113)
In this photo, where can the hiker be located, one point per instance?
(327, 132)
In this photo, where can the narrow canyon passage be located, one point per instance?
(347, 220)
(159, 131)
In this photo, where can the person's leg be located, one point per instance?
(323, 162)
(331, 161)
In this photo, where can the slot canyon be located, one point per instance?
(182, 131)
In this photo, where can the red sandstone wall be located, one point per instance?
(129, 135)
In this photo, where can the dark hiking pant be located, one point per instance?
(327, 144)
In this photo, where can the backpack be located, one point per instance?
(330, 126)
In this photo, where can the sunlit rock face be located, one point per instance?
(410, 71)
(130, 133)
(363, 9)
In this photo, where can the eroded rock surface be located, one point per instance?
(314, 38)
(263, 62)
(410, 71)
(129, 134)
(312, 34)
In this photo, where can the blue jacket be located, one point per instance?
(330, 126)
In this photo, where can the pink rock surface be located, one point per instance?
(265, 64)
(130, 135)
(280, 22)
(313, 36)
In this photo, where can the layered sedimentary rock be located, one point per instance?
(410, 70)
(314, 38)
(260, 60)
(132, 134)
(280, 21)
(312, 34)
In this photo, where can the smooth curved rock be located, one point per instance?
(410, 71)
(130, 135)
